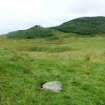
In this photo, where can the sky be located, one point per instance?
(22, 14)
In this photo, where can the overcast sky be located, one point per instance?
(22, 14)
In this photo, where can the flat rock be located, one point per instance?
(55, 86)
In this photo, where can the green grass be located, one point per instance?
(79, 63)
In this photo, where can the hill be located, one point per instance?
(33, 32)
(84, 26)
(26, 63)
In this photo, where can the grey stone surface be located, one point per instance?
(55, 86)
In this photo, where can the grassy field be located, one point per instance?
(79, 63)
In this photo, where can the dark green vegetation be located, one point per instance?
(82, 26)
(79, 63)
(34, 32)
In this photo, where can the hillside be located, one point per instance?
(77, 62)
(84, 26)
(33, 32)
